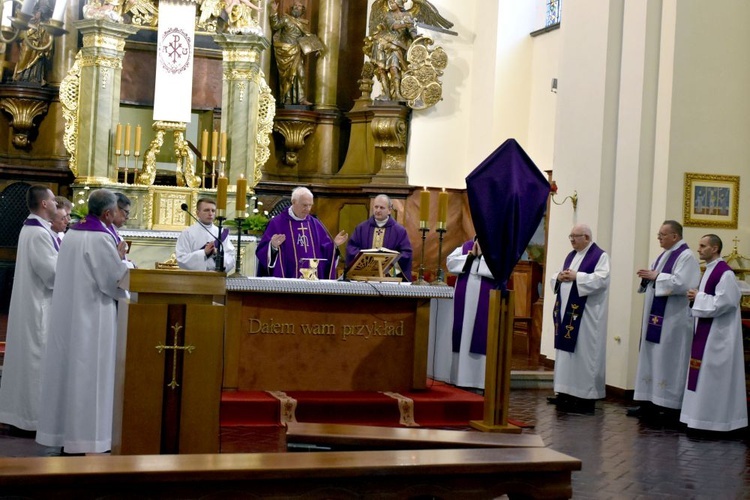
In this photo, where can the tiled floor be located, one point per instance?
(622, 457)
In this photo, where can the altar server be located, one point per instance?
(196, 245)
(38, 244)
(715, 397)
(294, 236)
(78, 367)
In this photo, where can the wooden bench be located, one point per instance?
(447, 474)
(350, 437)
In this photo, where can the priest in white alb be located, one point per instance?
(580, 317)
(715, 395)
(78, 367)
(38, 244)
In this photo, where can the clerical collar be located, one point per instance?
(381, 223)
(712, 264)
(291, 214)
(207, 226)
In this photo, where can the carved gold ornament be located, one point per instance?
(420, 85)
(69, 88)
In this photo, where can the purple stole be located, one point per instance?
(55, 238)
(114, 232)
(566, 335)
(92, 223)
(479, 335)
(703, 327)
(659, 304)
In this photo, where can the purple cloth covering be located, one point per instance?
(659, 304)
(507, 197)
(703, 328)
(304, 239)
(396, 238)
(35, 222)
(92, 223)
(479, 335)
(568, 326)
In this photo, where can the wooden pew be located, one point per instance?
(447, 474)
(350, 437)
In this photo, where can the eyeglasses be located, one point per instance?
(664, 235)
(574, 236)
(126, 212)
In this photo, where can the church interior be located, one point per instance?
(633, 112)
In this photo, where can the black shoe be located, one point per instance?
(636, 411)
(579, 406)
(554, 400)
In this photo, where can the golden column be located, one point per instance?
(247, 106)
(325, 139)
(90, 96)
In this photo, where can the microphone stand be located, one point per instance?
(220, 249)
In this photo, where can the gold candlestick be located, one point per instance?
(440, 281)
(420, 278)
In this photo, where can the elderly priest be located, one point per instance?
(293, 237)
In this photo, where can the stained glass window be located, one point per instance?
(552, 13)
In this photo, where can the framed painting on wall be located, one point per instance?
(711, 200)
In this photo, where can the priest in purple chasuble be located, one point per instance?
(20, 386)
(294, 236)
(580, 318)
(470, 308)
(382, 231)
(667, 326)
(78, 366)
(715, 395)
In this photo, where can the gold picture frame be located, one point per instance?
(711, 200)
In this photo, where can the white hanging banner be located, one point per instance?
(173, 92)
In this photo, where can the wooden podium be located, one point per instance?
(170, 344)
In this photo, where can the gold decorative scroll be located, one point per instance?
(69, 88)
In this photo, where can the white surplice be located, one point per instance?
(581, 373)
(190, 253)
(20, 387)
(78, 370)
(662, 368)
(719, 402)
(467, 368)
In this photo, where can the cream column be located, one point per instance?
(98, 98)
(327, 68)
(247, 106)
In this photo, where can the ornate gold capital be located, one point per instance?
(103, 41)
(294, 133)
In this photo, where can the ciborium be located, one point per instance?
(310, 273)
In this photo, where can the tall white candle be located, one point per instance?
(28, 7)
(59, 11)
(7, 13)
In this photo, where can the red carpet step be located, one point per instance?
(441, 405)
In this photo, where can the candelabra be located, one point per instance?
(238, 260)
(440, 274)
(220, 247)
(420, 279)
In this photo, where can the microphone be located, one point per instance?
(217, 242)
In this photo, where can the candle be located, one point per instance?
(442, 206)
(28, 7)
(7, 13)
(214, 144)
(204, 145)
(221, 193)
(223, 146)
(424, 205)
(118, 139)
(59, 12)
(127, 140)
(241, 195)
(137, 140)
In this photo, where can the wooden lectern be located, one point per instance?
(169, 363)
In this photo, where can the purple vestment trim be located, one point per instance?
(659, 304)
(703, 328)
(566, 334)
(35, 222)
(479, 334)
(92, 223)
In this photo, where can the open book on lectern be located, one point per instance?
(373, 264)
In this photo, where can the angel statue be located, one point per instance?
(393, 29)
